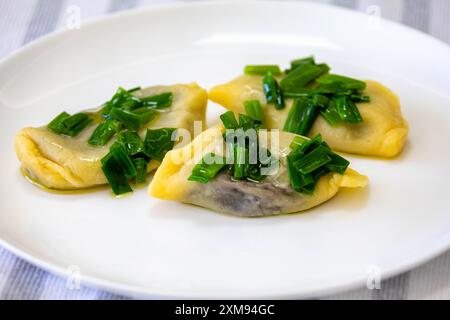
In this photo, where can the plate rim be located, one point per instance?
(416, 259)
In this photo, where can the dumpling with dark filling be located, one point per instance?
(272, 196)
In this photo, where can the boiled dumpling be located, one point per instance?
(63, 162)
(383, 132)
(242, 198)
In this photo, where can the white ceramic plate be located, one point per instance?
(145, 247)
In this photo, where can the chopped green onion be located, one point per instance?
(134, 89)
(313, 160)
(229, 120)
(299, 62)
(347, 110)
(297, 142)
(262, 69)
(160, 101)
(343, 82)
(132, 120)
(253, 109)
(359, 98)
(118, 168)
(104, 132)
(246, 122)
(331, 115)
(320, 101)
(132, 142)
(141, 170)
(239, 165)
(301, 117)
(158, 142)
(204, 172)
(69, 125)
(272, 91)
(301, 76)
(56, 125)
(129, 119)
(298, 181)
(338, 164)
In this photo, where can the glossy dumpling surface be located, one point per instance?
(241, 198)
(62, 162)
(383, 132)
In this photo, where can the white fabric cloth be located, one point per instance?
(22, 21)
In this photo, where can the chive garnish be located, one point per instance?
(341, 82)
(309, 160)
(158, 142)
(301, 117)
(229, 120)
(69, 125)
(302, 75)
(240, 161)
(118, 168)
(272, 91)
(347, 110)
(160, 101)
(132, 120)
(141, 170)
(204, 172)
(253, 109)
(132, 142)
(241, 166)
(262, 69)
(313, 160)
(104, 132)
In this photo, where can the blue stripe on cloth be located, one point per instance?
(416, 14)
(395, 288)
(119, 5)
(44, 20)
(24, 282)
(346, 3)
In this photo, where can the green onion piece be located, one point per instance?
(299, 62)
(104, 132)
(204, 172)
(331, 115)
(301, 148)
(246, 122)
(158, 142)
(320, 101)
(160, 101)
(297, 142)
(239, 165)
(134, 89)
(262, 69)
(347, 110)
(229, 120)
(359, 98)
(70, 125)
(272, 91)
(313, 160)
(337, 164)
(301, 76)
(56, 125)
(141, 170)
(132, 142)
(298, 181)
(341, 82)
(301, 117)
(130, 120)
(118, 169)
(254, 110)
(133, 120)
(146, 114)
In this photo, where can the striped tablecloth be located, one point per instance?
(22, 21)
